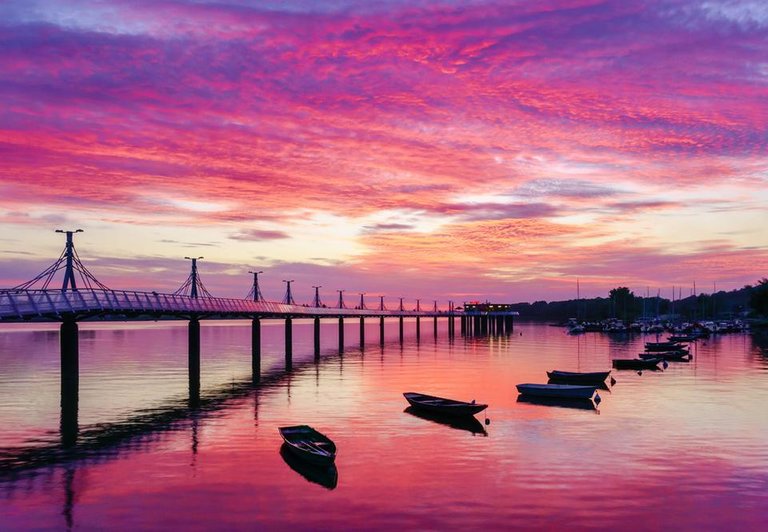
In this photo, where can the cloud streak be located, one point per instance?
(508, 130)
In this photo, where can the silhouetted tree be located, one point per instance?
(623, 302)
(758, 299)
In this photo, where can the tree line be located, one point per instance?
(625, 305)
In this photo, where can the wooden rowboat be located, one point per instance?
(664, 346)
(561, 391)
(572, 377)
(308, 444)
(669, 355)
(636, 363)
(441, 405)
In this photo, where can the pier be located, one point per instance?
(94, 301)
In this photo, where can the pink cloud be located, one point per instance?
(353, 111)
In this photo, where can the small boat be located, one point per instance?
(441, 405)
(572, 377)
(562, 391)
(681, 338)
(636, 363)
(668, 355)
(664, 346)
(308, 444)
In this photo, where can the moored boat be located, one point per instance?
(562, 391)
(636, 363)
(681, 338)
(441, 405)
(669, 355)
(573, 377)
(308, 444)
(664, 346)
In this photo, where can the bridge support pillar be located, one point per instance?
(362, 333)
(317, 337)
(194, 360)
(341, 335)
(381, 330)
(288, 343)
(70, 382)
(255, 350)
(477, 326)
(418, 329)
(463, 320)
(510, 324)
(401, 329)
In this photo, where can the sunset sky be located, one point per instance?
(422, 148)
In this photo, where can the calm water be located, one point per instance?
(686, 448)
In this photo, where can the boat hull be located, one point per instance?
(636, 363)
(561, 391)
(571, 377)
(682, 355)
(441, 405)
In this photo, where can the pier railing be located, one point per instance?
(52, 304)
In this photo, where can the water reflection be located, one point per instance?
(580, 404)
(326, 476)
(708, 410)
(468, 423)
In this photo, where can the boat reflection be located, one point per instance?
(580, 404)
(468, 423)
(326, 476)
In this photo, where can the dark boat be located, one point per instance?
(636, 363)
(309, 445)
(440, 405)
(559, 391)
(682, 338)
(468, 423)
(580, 404)
(325, 475)
(669, 355)
(664, 346)
(595, 377)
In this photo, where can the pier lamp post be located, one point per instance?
(341, 298)
(193, 277)
(288, 300)
(362, 301)
(69, 252)
(256, 292)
